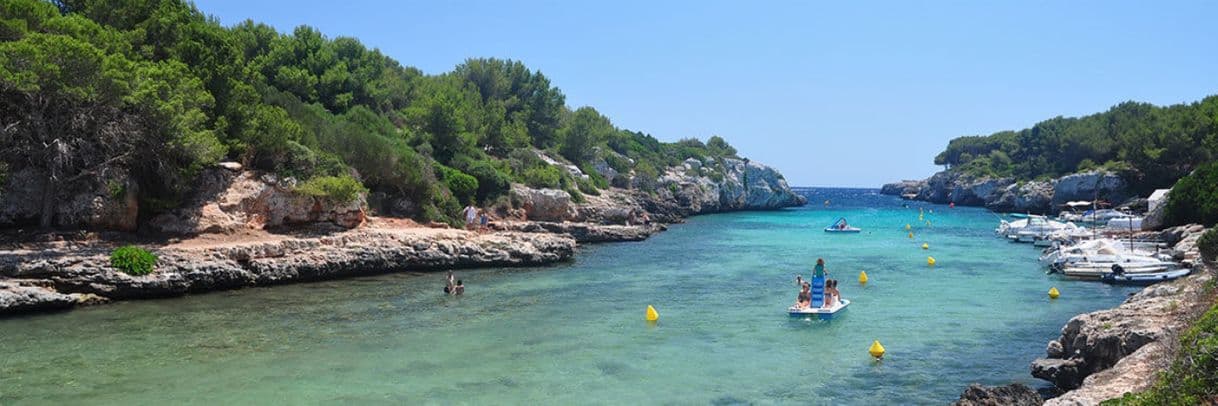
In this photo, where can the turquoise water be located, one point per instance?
(575, 334)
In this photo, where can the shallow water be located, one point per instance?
(574, 333)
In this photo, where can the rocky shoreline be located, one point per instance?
(226, 245)
(1104, 354)
(1008, 195)
(46, 277)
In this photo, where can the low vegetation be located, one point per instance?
(133, 260)
(1208, 245)
(1194, 199)
(1193, 376)
(342, 189)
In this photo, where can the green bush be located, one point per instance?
(133, 260)
(1194, 199)
(546, 176)
(1208, 244)
(587, 186)
(463, 186)
(492, 182)
(339, 188)
(1193, 377)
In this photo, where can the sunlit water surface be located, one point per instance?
(575, 334)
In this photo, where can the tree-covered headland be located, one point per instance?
(161, 90)
(1150, 146)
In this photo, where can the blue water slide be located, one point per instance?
(818, 291)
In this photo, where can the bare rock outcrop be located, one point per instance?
(44, 278)
(543, 204)
(1005, 194)
(1016, 394)
(228, 200)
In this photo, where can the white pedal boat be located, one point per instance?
(823, 313)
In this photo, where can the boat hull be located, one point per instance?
(1144, 279)
(820, 312)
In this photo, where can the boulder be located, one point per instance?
(543, 204)
(226, 201)
(1013, 394)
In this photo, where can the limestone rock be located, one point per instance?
(903, 187)
(543, 204)
(1088, 186)
(227, 201)
(53, 278)
(1013, 394)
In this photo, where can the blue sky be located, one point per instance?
(830, 93)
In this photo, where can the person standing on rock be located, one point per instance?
(471, 215)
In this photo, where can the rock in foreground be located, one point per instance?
(1016, 394)
(43, 278)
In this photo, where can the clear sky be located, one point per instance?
(831, 93)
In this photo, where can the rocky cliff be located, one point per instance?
(1103, 354)
(55, 276)
(1005, 194)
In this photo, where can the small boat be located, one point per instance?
(1098, 270)
(1143, 279)
(823, 313)
(840, 226)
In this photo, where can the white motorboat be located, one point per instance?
(1102, 250)
(1031, 228)
(1097, 270)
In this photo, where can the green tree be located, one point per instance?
(585, 130)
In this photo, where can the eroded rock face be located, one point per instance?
(902, 187)
(1003, 194)
(227, 201)
(1088, 186)
(105, 201)
(1016, 394)
(689, 189)
(543, 204)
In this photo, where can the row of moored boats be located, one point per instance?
(1078, 252)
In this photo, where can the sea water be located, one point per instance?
(575, 333)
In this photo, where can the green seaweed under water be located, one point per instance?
(575, 333)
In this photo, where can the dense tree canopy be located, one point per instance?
(159, 89)
(1152, 146)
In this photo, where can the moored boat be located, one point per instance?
(1143, 279)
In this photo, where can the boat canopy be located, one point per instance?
(1078, 203)
(841, 221)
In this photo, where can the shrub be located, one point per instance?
(492, 182)
(463, 186)
(133, 260)
(1194, 199)
(1208, 244)
(587, 186)
(546, 176)
(339, 188)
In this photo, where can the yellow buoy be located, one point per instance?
(652, 315)
(1053, 293)
(925, 246)
(920, 218)
(930, 261)
(862, 277)
(876, 350)
(911, 234)
(907, 227)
